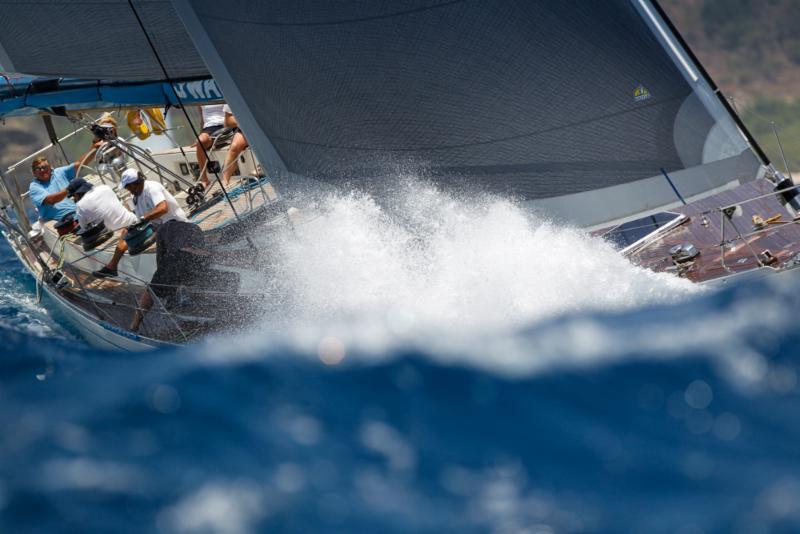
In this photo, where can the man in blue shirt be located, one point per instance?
(48, 190)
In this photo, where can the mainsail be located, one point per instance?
(580, 108)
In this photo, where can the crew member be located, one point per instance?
(109, 157)
(99, 203)
(152, 202)
(181, 259)
(48, 189)
(213, 118)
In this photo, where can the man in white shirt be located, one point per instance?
(152, 202)
(94, 203)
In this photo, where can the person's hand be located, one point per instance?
(96, 143)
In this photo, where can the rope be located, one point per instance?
(177, 96)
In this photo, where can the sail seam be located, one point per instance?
(332, 22)
(480, 143)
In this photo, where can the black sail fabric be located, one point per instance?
(532, 98)
(96, 39)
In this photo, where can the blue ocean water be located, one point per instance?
(644, 412)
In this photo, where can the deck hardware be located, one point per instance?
(767, 258)
(59, 279)
(683, 253)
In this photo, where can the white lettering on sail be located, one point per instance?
(195, 89)
(180, 90)
(210, 87)
(199, 90)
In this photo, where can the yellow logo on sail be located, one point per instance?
(640, 93)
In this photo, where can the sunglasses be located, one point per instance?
(41, 167)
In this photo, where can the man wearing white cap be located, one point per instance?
(152, 202)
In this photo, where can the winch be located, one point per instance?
(788, 195)
(139, 237)
(67, 225)
(94, 236)
(683, 253)
(59, 279)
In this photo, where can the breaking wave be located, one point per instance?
(435, 269)
(431, 260)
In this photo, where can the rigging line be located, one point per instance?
(333, 22)
(479, 143)
(179, 100)
(748, 200)
(145, 283)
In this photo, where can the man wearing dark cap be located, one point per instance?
(95, 203)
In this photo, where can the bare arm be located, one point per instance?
(160, 209)
(54, 198)
(86, 156)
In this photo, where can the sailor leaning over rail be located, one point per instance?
(152, 203)
(48, 190)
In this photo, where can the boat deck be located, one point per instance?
(722, 251)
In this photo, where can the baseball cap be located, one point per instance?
(78, 186)
(130, 176)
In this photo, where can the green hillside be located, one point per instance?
(752, 50)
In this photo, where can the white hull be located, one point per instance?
(97, 333)
(135, 269)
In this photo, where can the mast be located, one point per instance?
(710, 81)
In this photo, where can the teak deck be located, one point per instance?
(704, 231)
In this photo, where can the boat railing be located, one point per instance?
(51, 146)
(729, 212)
(160, 309)
(134, 291)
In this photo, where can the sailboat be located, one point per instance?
(62, 259)
(596, 114)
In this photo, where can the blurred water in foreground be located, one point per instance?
(453, 378)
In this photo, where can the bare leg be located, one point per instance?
(238, 144)
(145, 303)
(122, 248)
(204, 141)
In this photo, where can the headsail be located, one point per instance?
(574, 105)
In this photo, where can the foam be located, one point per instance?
(433, 266)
